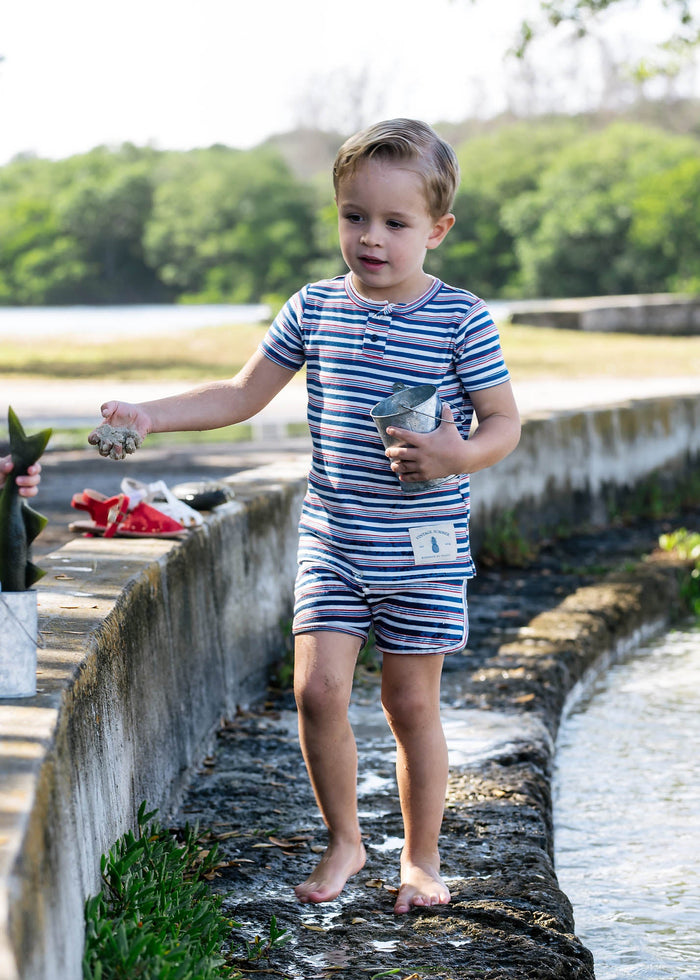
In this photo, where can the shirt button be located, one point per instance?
(373, 338)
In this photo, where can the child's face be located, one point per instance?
(385, 230)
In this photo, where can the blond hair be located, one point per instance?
(405, 141)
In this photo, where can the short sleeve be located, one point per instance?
(284, 341)
(478, 356)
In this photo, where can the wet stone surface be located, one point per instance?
(507, 918)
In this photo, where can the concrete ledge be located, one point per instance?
(653, 313)
(147, 644)
(586, 468)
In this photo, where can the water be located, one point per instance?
(627, 814)
(101, 322)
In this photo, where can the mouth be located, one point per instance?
(371, 262)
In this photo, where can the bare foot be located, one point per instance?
(339, 862)
(421, 886)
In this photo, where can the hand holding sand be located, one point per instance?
(122, 432)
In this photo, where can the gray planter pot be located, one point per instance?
(18, 644)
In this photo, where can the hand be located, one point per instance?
(428, 455)
(28, 485)
(123, 430)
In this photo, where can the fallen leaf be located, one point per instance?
(306, 925)
(374, 883)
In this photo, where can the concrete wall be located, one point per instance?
(147, 644)
(588, 467)
(657, 313)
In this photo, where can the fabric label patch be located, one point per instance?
(433, 543)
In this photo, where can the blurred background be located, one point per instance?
(160, 152)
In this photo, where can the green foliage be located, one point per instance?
(549, 207)
(154, 918)
(580, 16)
(665, 223)
(262, 949)
(505, 543)
(686, 544)
(480, 251)
(229, 226)
(573, 232)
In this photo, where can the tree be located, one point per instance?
(230, 226)
(497, 167)
(580, 15)
(665, 228)
(39, 263)
(104, 210)
(573, 232)
(71, 230)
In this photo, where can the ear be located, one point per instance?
(439, 230)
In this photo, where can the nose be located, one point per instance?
(369, 237)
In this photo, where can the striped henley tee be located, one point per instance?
(355, 517)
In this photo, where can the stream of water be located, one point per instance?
(627, 813)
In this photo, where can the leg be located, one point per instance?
(411, 701)
(323, 674)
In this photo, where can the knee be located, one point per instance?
(318, 697)
(410, 708)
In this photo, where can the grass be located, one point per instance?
(196, 355)
(534, 353)
(217, 352)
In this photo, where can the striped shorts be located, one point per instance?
(429, 619)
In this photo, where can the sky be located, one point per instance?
(183, 73)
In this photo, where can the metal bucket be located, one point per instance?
(418, 409)
(18, 643)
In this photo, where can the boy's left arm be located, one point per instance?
(431, 455)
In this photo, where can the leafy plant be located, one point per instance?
(505, 543)
(261, 949)
(155, 918)
(686, 545)
(19, 523)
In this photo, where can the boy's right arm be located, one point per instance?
(209, 406)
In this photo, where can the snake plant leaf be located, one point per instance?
(19, 523)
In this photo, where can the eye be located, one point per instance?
(353, 217)
(391, 223)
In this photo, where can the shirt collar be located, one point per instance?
(371, 304)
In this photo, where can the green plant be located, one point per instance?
(505, 544)
(19, 523)
(155, 918)
(686, 544)
(262, 949)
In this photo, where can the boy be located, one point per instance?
(360, 559)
